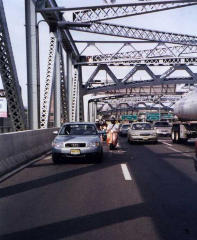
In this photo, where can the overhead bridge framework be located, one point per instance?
(65, 84)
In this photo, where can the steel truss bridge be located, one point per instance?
(64, 85)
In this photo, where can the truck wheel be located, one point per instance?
(178, 140)
(173, 137)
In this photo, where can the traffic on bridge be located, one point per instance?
(98, 120)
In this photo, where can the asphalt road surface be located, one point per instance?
(138, 192)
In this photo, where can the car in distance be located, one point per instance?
(142, 132)
(77, 140)
(163, 128)
(124, 129)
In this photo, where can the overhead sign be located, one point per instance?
(129, 117)
(3, 108)
(153, 116)
(167, 116)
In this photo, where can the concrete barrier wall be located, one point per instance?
(18, 148)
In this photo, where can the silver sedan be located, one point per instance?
(77, 140)
(142, 132)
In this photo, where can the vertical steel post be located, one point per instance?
(91, 111)
(31, 46)
(88, 111)
(38, 72)
(57, 89)
(81, 94)
(69, 83)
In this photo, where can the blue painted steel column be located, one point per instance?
(57, 89)
(31, 52)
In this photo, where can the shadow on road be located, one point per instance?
(22, 187)
(82, 224)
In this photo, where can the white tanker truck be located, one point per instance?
(185, 128)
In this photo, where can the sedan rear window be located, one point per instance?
(162, 124)
(141, 126)
(78, 129)
(125, 126)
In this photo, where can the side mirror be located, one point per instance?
(55, 132)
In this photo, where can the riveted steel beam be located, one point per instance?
(9, 76)
(48, 83)
(98, 13)
(144, 83)
(163, 54)
(139, 33)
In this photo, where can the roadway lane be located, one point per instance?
(94, 201)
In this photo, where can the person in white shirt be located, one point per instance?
(112, 133)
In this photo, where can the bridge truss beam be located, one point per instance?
(138, 33)
(98, 13)
(9, 76)
(128, 82)
(159, 55)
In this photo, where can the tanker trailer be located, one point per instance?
(185, 128)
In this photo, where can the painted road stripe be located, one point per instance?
(166, 143)
(125, 172)
(185, 154)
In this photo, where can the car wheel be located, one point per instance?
(99, 158)
(129, 140)
(55, 159)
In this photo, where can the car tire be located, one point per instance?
(99, 158)
(55, 159)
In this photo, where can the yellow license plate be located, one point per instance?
(75, 152)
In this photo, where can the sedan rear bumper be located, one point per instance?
(143, 138)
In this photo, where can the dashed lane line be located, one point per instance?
(166, 143)
(175, 150)
(126, 172)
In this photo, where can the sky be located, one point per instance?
(181, 20)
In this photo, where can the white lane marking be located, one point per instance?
(175, 150)
(179, 152)
(125, 172)
(166, 143)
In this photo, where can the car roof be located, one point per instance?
(140, 122)
(78, 123)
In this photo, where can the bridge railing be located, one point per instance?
(17, 148)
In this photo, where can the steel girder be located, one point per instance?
(162, 61)
(128, 82)
(75, 96)
(9, 76)
(54, 17)
(98, 13)
(138, 84)
(64, 100)
(136, 108)
(99, 68)
(159, 55)
(48, 83)
(125, 98)
(139, 33)
(81, 95)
